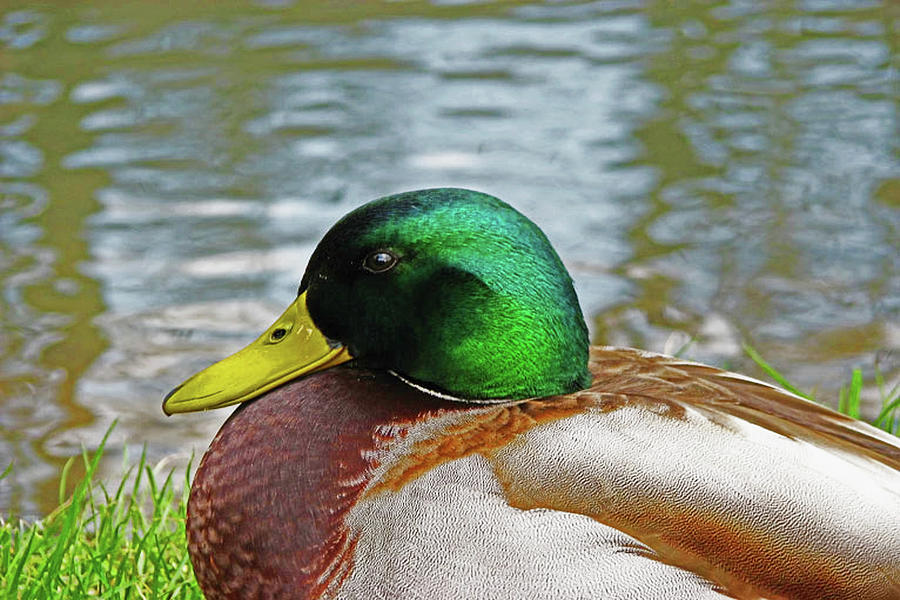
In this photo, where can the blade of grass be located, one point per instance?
(886, 416)
(772, 372)
(853, 400)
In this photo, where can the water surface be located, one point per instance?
(712, 171)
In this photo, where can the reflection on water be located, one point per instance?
(721, 172)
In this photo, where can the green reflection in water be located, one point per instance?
(69, 342)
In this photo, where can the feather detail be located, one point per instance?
(666, 479)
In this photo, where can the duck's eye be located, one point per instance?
(379, 261)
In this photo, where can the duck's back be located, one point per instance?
(665, 480)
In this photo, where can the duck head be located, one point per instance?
(452, 290)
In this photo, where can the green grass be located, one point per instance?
(102, 543)
(129, 542)
(849, 399)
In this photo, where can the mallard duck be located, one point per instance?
(429, 421)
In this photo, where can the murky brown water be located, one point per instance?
(725, 171)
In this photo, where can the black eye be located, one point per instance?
(379, 261)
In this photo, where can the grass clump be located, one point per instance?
(849, 400)
(123, 543)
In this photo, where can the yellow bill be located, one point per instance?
(291, 347)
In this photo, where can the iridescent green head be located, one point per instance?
(452, 290)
